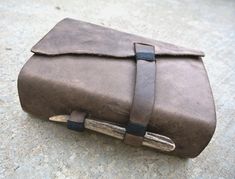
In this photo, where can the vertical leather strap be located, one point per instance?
(144, 94)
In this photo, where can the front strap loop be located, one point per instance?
(76, 121)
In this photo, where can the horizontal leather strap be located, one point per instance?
(145, 56)
(144, 94)
(76, 121)
(135, 129)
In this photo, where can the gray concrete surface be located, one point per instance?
(34, 148)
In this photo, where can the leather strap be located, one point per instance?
(144, 94)
(76, 121)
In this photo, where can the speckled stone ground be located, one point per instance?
(34, 148)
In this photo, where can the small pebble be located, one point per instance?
(57, 7)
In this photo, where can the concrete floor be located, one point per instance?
(34, 148)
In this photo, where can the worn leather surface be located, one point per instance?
(144, 93)
(104, 86)
(76, 37)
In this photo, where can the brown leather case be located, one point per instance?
(82, 66)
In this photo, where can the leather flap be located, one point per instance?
(76, 37)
